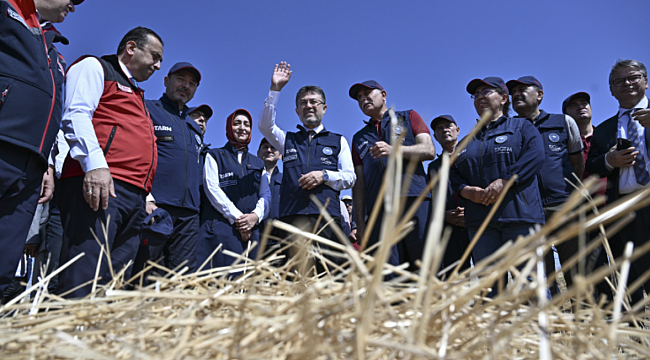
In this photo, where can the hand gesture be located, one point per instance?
(281, 76)
(311, 180)
(492, 192)
(642, 116)
(380, 149)
(246, 222)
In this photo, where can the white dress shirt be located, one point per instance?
(339, 180)
(220, 200)
(84, 86)
(627, 179)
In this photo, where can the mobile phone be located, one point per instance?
(622, 144)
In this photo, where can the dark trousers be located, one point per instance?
(458, 243)
(494, 236)
(53, 236)
(127, 212)
(21, 175)
(180, 246)
(638, 232)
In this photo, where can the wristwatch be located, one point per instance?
(325, 176)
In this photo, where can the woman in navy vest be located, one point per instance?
(238, 197)
(503, 148)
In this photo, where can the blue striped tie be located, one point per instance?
(634, 135)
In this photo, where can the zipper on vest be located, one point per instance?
(49, 117)
(186, 161)
(153, 140)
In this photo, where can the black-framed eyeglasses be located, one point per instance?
(485, 92)
(632, 79)
(313, 102)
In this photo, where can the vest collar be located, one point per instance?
(123, 70)
(319, 130)
(172, 107)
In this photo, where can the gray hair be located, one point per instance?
(309, 89)
(623, 63)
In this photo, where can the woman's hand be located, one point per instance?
(246, 222)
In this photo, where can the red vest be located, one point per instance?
(122, 117)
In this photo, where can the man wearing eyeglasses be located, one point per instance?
(315, 161)
(619, 151)
(371, 147)
(562, 150)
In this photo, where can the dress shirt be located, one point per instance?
(220, 200)
(338, 180)
(627, 179)
(84, 86)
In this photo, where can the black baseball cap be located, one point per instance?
(185, 66)
(437, 119)
(206, 109)
(77, 2)
(578, 95)
(526, 80)
(370, 84)
(491, 81)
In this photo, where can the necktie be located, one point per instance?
(634, 135)
(134, 81)
(311, 134)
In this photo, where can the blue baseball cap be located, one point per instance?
(437, 119)
(526, 80)
(491, 81)
(206, 109)
(370, 84)
(578, 95)
(159, 232)
(185, 66)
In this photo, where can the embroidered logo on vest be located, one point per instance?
(126, 89)
(327, 151)
(501, 139)
(554, 138)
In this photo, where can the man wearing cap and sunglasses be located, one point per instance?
(619, 151)
(562, 149)
(176, 187)
(445, 131)
(31, 77)
(201, 114)
(370, 149)
(112, 161)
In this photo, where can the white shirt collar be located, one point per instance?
(643, 104)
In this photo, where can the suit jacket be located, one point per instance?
(605, 136)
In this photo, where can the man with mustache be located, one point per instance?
(626, 165)
(371, 147)
(112, 161)
(562, 149)
(315, 161)
(176, 186)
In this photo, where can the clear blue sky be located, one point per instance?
(423, 52)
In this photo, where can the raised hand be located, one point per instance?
(281, 75)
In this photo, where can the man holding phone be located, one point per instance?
(619, 151)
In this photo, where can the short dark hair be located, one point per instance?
(506, 106)
(309, 89)
(623, 63)
(140, 36)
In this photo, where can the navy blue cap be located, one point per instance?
(437, 119)
(526, 80)
(491, 81)
(578, 95)
(77, 2)
(159, 232)
(370, 84)
(206, 109)
(183, 65)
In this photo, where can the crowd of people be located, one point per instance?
(102, 170)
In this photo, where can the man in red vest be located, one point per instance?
(112, 160)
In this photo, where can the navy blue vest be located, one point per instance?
(275, 185)
(552, 186)
(373, 169)
(179, 141)
(301, 157)
(27, 88)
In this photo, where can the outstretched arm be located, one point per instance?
(266, 125)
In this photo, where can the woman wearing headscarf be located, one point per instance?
(505, 146)
(238, 193)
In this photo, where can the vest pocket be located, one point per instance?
(5, 86)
